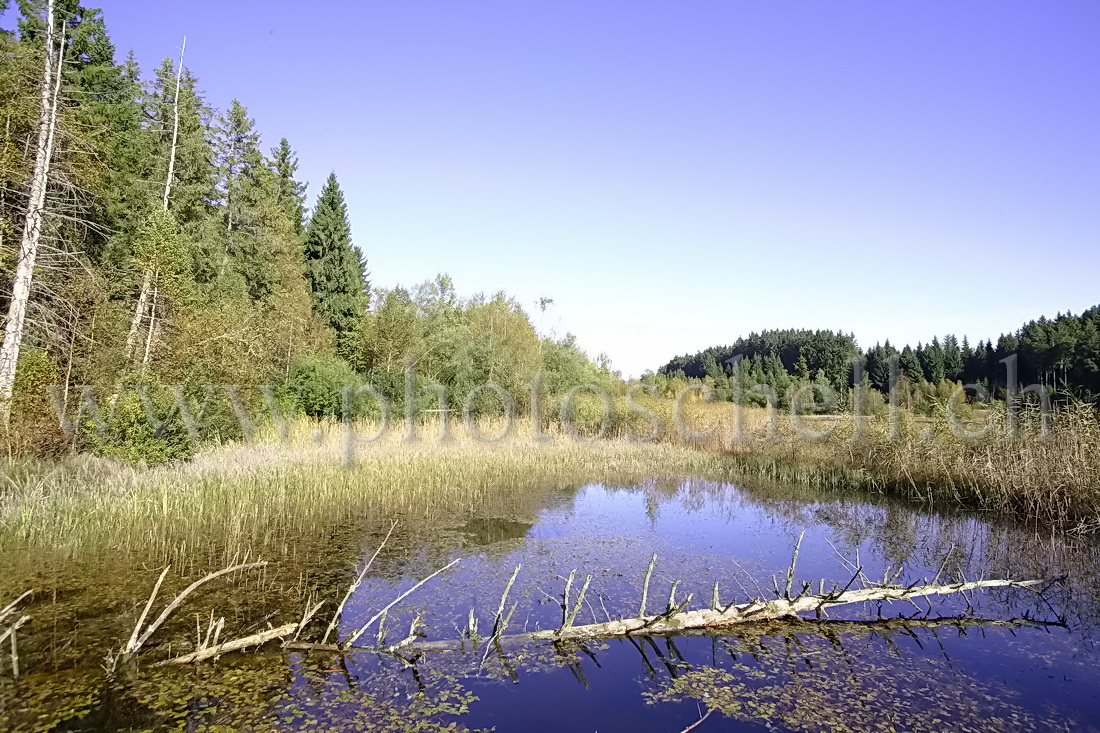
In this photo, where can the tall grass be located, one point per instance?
(248, 497)
(270, 493)
(1052, 479)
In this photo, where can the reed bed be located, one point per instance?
(1049, 479)
(250, 497)
(270, 493)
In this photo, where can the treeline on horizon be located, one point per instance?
(175, 251)
(1060, 354)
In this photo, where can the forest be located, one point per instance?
(1062, 355)
(149, 238)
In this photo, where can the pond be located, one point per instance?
(998, 659)
(965, 675)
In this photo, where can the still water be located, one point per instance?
(1037, 673)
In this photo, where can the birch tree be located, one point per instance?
(36, 211)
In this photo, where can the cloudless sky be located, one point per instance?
(675, 175)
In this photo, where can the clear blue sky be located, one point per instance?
(677, 174)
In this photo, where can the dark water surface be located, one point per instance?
(967, 676)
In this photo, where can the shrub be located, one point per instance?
(34, 428)
(322, 381)
(128, 432)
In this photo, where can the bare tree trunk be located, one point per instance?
(175, 130)
(152, 324)
(32, 226)
(139, 312)
(147, 282)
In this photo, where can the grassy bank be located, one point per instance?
(91, 534)
(1050, 479)
(265, 495)
(257, 497)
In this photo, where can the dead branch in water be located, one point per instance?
(716, 620)
(13, 628)
(10, 608)
(230, 646)
(754, 611)
(355, 584)
(12, 631)
(133, 646)
(856, 629)
(674, 620)
(355, 636)
(208, 649)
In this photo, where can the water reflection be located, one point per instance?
(864, 674)
(483, 531)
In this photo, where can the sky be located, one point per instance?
(675, 175)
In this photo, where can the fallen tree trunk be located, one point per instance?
(719, 619)
(674, 620)
(848, 628)
(755, 628)
(231, 646)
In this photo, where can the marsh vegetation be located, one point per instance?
(215, 427)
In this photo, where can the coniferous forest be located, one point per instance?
(1060, 354)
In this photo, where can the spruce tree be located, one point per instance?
(931, 358)
(237, 158)
(910, 364)
(246, 187)
(336, 272)
(952, 358)
(193, 183)
(878, 367)
(291, 193)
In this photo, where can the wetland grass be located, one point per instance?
(1051, 478)
(265, 495)
(261, 496)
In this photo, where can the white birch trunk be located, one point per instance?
(32, 226)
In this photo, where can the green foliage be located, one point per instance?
(33, 428)
(159, 246)
(1059, 354)
(790, 351)
(393, 331)
(910, 365)
(291, 195)
(321, 382)
(335, 272)
(193, 181)
(129, 433)
(565, 366)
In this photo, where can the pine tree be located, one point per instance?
(952, 358)
(291, 193)
(237, 160)
(910, 364)
(336, 273)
